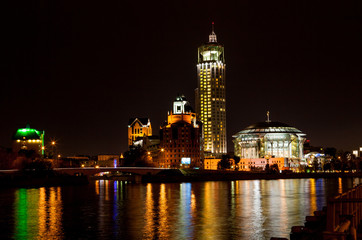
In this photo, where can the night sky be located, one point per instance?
(80, 69)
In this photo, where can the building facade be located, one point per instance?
(211, 163)
(137, 128)
(28, 139)
(108, 160)
(269, 143)
(210, 96)
(269, 139)
(249, 164)
(180, 137)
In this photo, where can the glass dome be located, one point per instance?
(270, 127)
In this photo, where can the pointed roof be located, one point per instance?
(212, 36)
(143, 121)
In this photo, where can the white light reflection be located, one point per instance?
(186, 206)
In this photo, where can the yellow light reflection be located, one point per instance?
(164, 231)
(209, 219)
(107, 190)
(97, 187)
(50, 213)
(313, 197)
(340, 188)
(193, 203)
(149, 232)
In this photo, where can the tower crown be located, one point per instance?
(181, 105)
(211, 51)
(212, 36)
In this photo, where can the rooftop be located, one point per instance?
(27, 133)
(270, 127)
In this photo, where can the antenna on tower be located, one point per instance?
(212, 36)
(267, 116)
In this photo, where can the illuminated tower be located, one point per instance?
(210, 95)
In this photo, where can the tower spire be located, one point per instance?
(267, 116)
(212, 36)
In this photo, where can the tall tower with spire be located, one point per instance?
(210, 96)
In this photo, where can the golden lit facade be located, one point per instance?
(138, 128)
(211, 163)
(210, 96)
(180, 138)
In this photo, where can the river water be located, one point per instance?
(247, 209)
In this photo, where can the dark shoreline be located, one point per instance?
(209, 175)
(37, 181)
(26, 180)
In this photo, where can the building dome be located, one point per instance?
(270, 127)
(27, 133)
(269, 138)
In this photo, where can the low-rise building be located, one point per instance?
(211, 163)
(248, 164)
(108, 160)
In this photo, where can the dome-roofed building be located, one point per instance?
(28, 139)
(269, 139)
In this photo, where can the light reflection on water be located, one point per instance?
(38, 213)
(255, 209)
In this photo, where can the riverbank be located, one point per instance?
(36, 180)
(176, 175)
(52, 179)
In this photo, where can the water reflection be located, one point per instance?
(340, 188)
(38, 213)
(313, 197)
(257, 209)
(148, 230)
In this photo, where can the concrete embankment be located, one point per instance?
(175, 175)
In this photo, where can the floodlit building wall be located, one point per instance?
(247, 164)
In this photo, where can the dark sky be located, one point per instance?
(80, 69)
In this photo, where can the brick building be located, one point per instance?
(180, 137)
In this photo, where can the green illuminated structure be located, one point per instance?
(29, 139)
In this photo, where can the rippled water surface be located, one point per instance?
(253, 209)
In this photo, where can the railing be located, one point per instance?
(338, 221)
(344, 214)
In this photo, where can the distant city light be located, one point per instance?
(355, 152)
